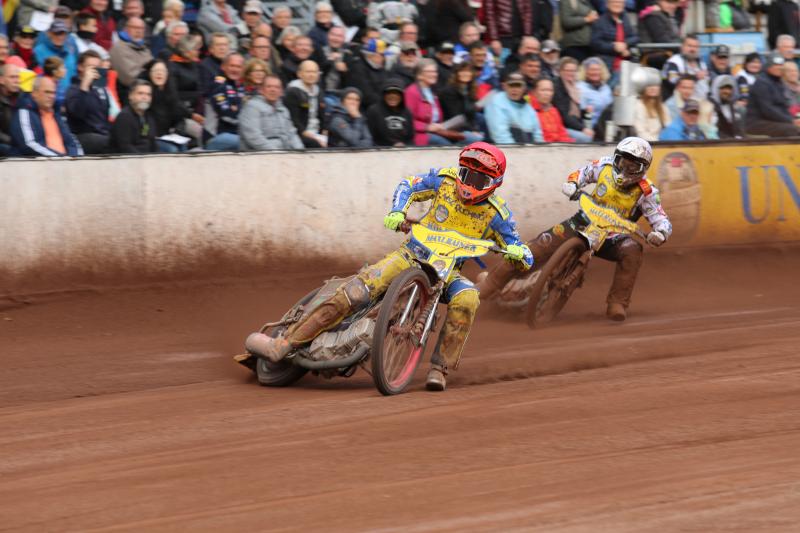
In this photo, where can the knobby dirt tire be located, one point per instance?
(282, 373)
(394, 359)
(544, 303)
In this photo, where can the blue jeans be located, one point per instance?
(579, 136)
(469, 137)
(223, 142)
(169, 148)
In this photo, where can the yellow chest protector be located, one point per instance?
(447, 212)
(611, 195)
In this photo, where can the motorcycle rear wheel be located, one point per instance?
(394, 355)
(282, 373)
(551, 291)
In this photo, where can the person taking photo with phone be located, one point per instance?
(87, 104)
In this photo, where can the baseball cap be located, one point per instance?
(752, 56)
(549, 45)
(58, 26)
(515, 78)
(408, 46)
(691, 106)
(26, 30)
(62, 12)
(721, 50)
(774, 59)
(447, 48)
(393, 85)
(252, 6)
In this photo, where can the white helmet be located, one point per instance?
(632, 158)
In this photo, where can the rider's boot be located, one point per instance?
(437, 380)
(616, 311)
(629, 260)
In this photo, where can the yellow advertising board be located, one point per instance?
(734, 194)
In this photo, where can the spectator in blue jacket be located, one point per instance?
(509, 117)
(38, 129)
(88, 103)
(56, 42)
(612, 36)
(595, 93)
(685, 127)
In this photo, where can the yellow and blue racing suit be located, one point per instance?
(490, 219)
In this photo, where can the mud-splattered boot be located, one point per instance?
(272, 349)
(437, 380)
(616, 312)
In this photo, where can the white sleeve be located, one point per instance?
(652, 210)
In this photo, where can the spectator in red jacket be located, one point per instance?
(549, 118)
(105, 23)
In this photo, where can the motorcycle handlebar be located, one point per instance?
(405, 227)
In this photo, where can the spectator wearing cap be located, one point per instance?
(390, 123)
(687, 62)
(304, 102)
(106, 26)
(56, 42)
(506, 23)
(728, 109)
(509, 117)
(406, 63)
(685, 127)
(366, 73)
(720, 61)
(37, 127)
(9, 93)
(686, 89)
(323, 22)
(22, 46)
(541, 98)
(27, 8)
(129, 55)
(577, 18)
(593, 87)
(449, 16)
(785, 45)
(265, 123)
(551, 54)
(444, 57)
(527, 45)
(347, 127)
(87, 30)
(783, 18)
(218, 16)
(748, 74)
(613, 36)
(252, 18)
(767, 107)
(407, 38)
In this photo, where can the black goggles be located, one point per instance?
(474, 179)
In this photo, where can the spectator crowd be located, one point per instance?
(142, 76)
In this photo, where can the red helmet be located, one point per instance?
(481, 167)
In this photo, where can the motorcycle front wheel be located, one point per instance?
(558, 279)
(395, 355)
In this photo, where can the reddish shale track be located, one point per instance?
(121, 410)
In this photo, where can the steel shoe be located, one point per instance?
(616, 312)
(436, 380)
(272, 349)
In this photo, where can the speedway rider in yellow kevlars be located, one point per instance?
(463, 200)
(622, 186)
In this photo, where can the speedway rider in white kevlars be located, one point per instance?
(622, 186)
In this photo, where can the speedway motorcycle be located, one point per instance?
(543, 293)
(387, 337)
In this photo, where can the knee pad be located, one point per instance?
(466, 301)
(357, 292)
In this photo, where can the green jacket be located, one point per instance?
(576, 31)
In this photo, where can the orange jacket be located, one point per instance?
(550, 120)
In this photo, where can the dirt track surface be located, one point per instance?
(121, 410)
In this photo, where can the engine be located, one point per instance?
(332, 344)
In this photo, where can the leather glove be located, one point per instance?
(515, 252)
(656, 238)
(393, 220)
(569, 189)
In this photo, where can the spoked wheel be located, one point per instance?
(559, 277)
(395, 355)
(282, 373)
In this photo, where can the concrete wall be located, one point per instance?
(68, 223)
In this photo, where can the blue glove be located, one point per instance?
(393, 220)
(515, 252)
